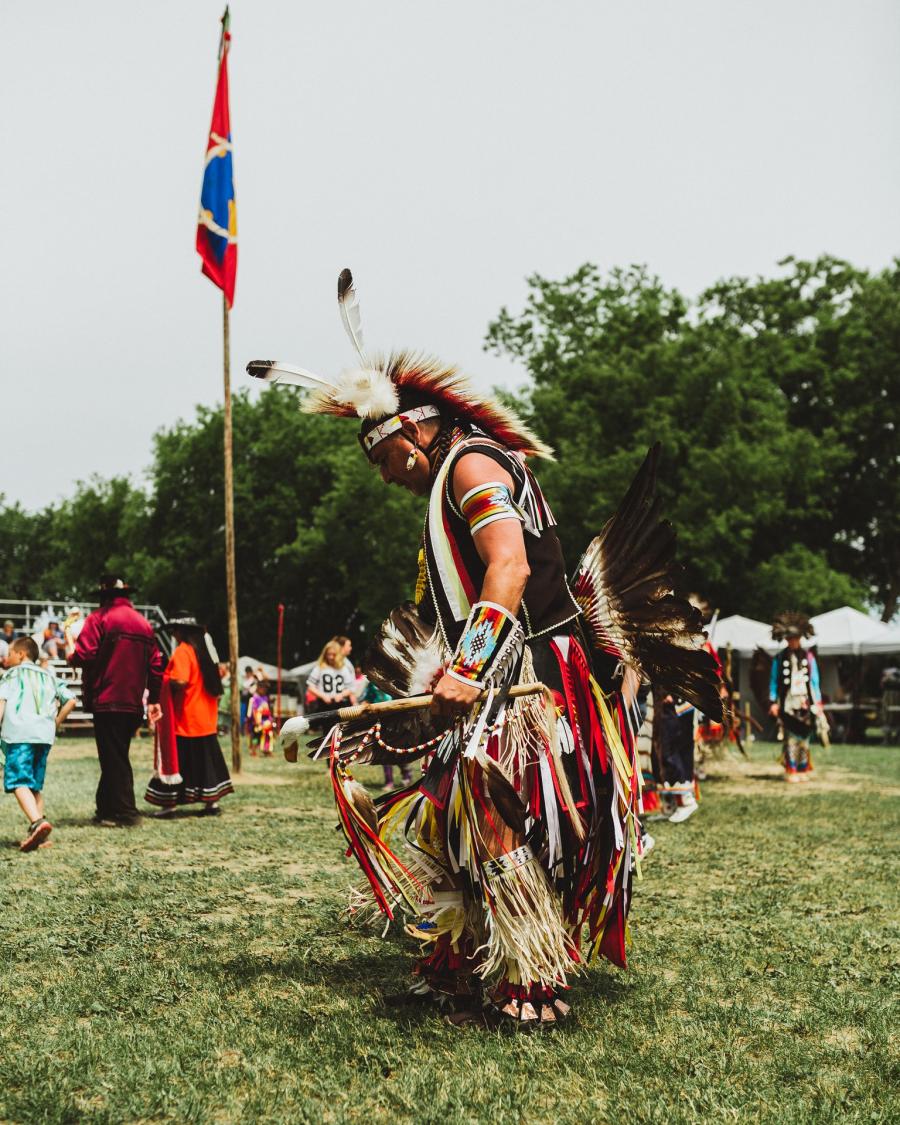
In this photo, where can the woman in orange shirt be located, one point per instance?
(193, 682)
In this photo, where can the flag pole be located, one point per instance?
(230, 578)
(216, 245)
(280, 639)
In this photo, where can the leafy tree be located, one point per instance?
(314, 527)
(777, 401)
(802, 579)
(747, 473)
(26, 548)
(62, 551)
(828, 335)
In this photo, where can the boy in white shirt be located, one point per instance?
(33, 705)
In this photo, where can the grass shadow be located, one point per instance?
(72, 821)
(600, 991)
(360, 973)
(609, 988)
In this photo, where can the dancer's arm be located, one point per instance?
(501, 547)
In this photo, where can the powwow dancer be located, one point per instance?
(795, 698)
(713, 737)
(520, 834)
(260, 721)
(677, 723)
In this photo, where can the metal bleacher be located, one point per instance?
(29, 617)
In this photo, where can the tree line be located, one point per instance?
(777, 402)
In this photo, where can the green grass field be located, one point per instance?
(198, 970)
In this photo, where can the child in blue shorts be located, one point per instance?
(33, 704)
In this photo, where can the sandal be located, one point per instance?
(39, 830)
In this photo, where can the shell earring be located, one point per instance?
(412, 458)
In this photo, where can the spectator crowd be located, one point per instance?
(127, 681)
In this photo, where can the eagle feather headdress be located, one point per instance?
(792, 624)
(384, 386)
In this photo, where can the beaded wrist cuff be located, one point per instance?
(491, 633)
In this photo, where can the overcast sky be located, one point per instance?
(442, 151)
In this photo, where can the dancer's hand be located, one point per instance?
(154, 712)
(773, 710)
(451, 697)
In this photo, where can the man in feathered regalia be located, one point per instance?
(795, 697)
(512, 852)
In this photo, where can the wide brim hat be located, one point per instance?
(184, 620)
(113, 584)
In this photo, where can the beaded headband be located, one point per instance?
(390, 426)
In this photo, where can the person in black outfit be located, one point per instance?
(121, 660)
(677, 739)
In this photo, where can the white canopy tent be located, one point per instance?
(843, 632)
(743, 634)
(883, 644)
(839, 632)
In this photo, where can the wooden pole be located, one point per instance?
(280, 637)
(230, 579)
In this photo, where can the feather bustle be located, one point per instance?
(626, 586)
(362, 802)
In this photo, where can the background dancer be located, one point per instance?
(795, 697)
(677, 738)
(260, 721)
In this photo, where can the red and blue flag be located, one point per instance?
(217, 223)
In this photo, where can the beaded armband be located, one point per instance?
(487, 503)
(491, 637)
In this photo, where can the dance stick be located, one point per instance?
(411, 703)
(294, 728)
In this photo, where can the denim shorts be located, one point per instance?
(25, 765)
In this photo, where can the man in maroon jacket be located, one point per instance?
(121, 659)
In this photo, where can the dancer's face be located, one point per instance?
(391, 458)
